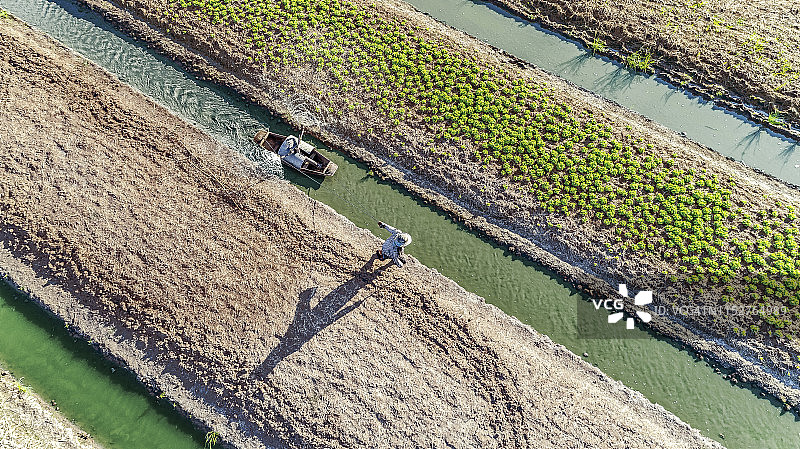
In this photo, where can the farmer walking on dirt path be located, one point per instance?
(393, 246)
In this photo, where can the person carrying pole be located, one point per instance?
(393, 246)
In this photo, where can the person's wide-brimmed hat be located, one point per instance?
(402, 239)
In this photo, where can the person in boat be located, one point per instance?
(291, 151)
(393, 246)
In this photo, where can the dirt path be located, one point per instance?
(258, 310)
(27, 422)
(744, 55)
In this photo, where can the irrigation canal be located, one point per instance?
(119, 414)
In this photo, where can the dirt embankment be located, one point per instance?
(256, 309)
(743, 55)
(464, 188)
(27, 422)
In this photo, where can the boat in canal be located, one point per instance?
(296, 153)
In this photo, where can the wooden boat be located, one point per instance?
(295, 153)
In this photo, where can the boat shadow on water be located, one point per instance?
(309, 321)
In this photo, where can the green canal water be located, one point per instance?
(659, 369)
(111, 406)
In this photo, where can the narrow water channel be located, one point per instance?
(725, 132)
(661, 371)
(113, 407)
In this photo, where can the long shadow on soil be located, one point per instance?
(309, 321)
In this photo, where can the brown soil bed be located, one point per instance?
(479, 197)
(743, 55)
(151, 239)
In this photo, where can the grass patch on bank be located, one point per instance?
(641, 61)
(575, 164)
